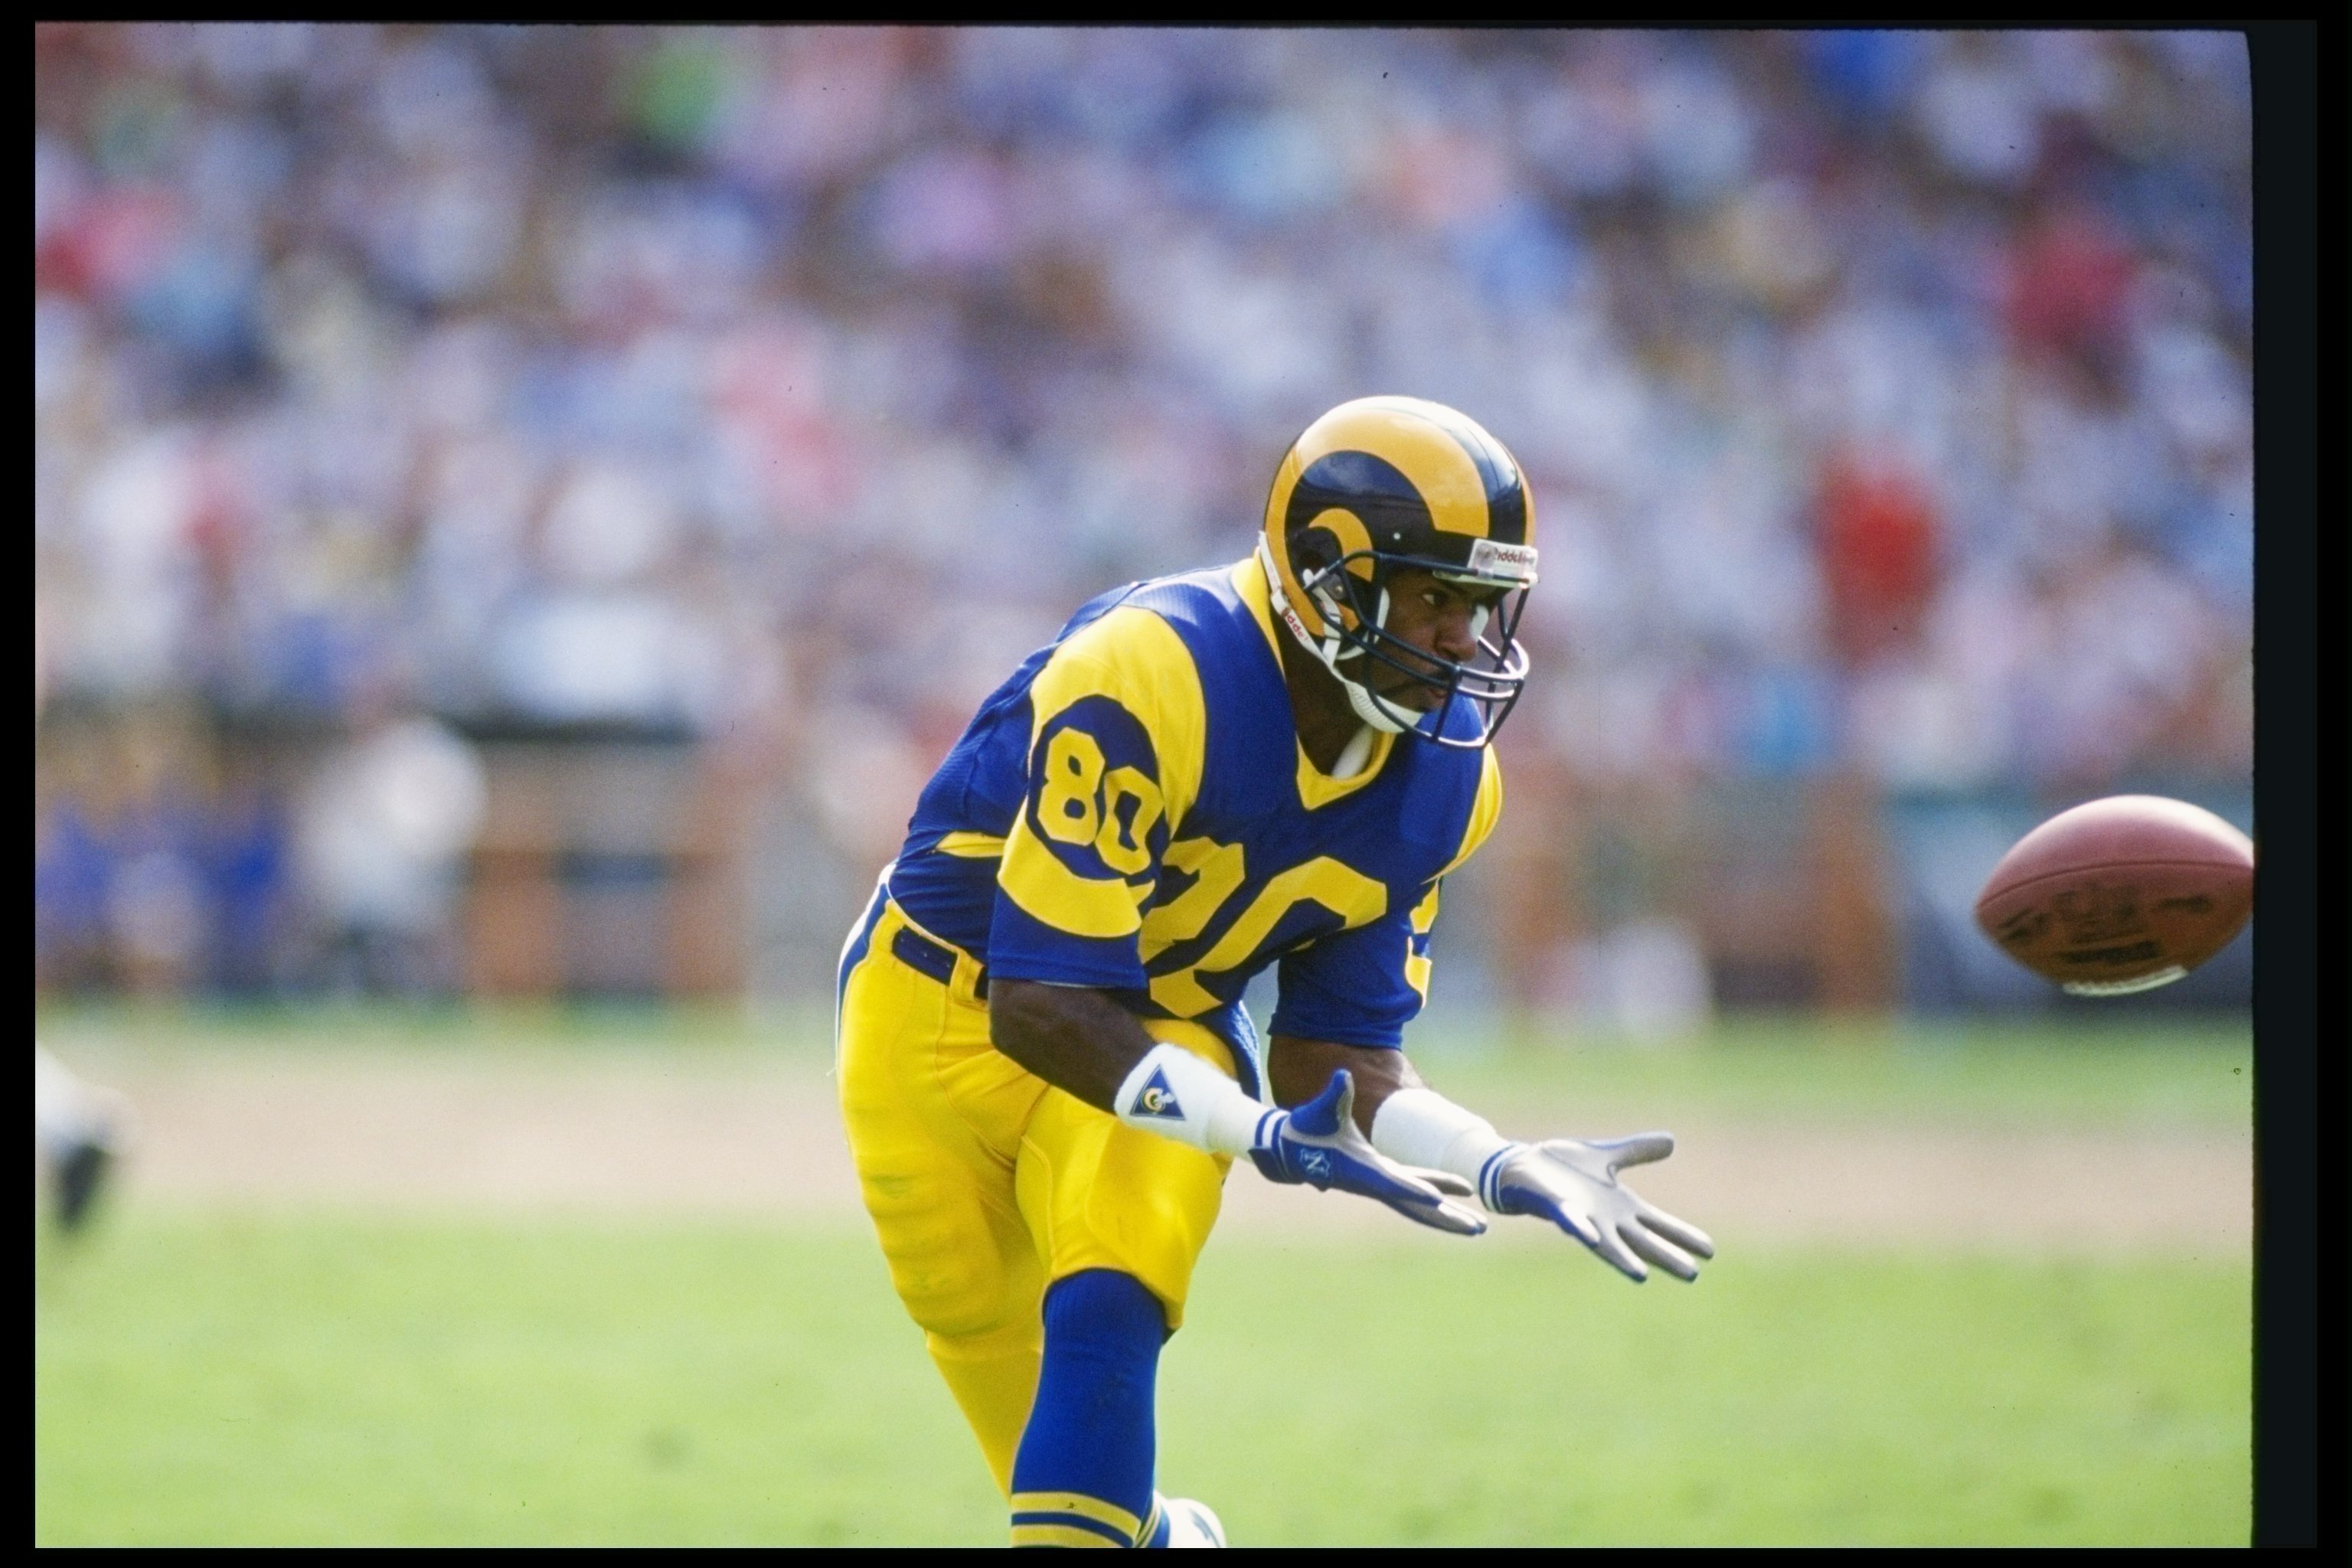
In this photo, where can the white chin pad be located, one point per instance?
(1380, 715)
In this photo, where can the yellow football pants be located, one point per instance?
(986, 1184)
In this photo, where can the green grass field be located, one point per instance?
(224, 1375)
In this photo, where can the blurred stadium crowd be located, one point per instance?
(1886, 395)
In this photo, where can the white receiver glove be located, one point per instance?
(1571, 1183)
(1574, 1184)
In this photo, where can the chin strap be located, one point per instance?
(1373, 709)
(1354, 755)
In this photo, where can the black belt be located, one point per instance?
(936, 959)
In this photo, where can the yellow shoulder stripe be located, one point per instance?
(1248, 578)
(1484, 812)
(1136, 660)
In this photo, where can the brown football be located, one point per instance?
(2121, 894)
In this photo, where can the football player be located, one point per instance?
(77, 1129)
(1046, 1067)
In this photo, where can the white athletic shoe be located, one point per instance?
(1191, 1523)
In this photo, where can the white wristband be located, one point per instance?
(1422, 1126)
(1176, 1094)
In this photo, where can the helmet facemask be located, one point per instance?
(1350, 598)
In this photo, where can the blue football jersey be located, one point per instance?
(1132, 810)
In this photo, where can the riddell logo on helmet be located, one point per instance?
(1489, 558)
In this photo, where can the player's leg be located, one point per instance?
(1084, 1474)
(1121, 1217)
(78, 1129)
(934, 1115)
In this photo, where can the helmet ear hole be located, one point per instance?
(1353, 590)
(1313, 550)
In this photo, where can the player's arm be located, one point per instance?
(1297, 1068)
(1076, 1037)
(1081, 1040)
(1115, 759)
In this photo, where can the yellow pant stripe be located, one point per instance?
(1079, 1503)
(1065, 1536)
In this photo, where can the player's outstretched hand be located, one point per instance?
(1574, 1184)
(1318, 1143)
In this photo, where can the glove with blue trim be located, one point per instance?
(1317, 1143)
(1574, 1184)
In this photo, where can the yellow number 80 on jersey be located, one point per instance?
(1095, 796)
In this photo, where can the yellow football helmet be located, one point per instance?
(1383, 484)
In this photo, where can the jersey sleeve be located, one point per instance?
(1361, 987)
(1116, 741)
(1352, 988)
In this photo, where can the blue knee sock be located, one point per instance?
(1083, 1475)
